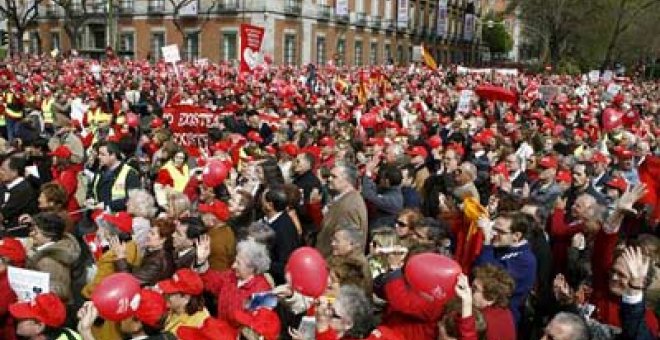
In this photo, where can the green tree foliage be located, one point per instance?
(497, 38)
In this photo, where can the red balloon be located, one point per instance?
(215, 173)
(612, 119)
(433, 274)
(114, 295)
(308, 272)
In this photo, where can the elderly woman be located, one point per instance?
(350, 316)
(178, 205)
(236, 285)
(142, 206)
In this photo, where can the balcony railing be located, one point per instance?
(156, 7)
(51, 12)
(292, 7)
(388, 24)
(228, 6)
(126, 6)
(360, 19)
(342, 18)
(325, 11)
(376, 21)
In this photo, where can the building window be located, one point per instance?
(373, 53)
(34, 43)
(320, 50)
(341, 52)
(289, 49)
(388, 53)
(127, 42)
(399, 54)
(157, 42)
(192, 45)
(358, 53)
(54, 40)
(228, 46)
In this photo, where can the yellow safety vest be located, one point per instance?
(11, 110)
(47, 110)
(118, 191)
(97, 117)
(179, 177)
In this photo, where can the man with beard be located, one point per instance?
(111, 185)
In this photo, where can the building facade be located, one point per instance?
(296, 32)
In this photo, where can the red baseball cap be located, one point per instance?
(500, 169)
(290, 149)
(599, 157)
(156, 123)
(624, 153)
(418, 151)
(218, 208)
(327, 141)
(618, 182)
(184, 281)
(46, 308)
(380, 141)
(151, 307)
(122, 221)
(255, 137)
(61, 151)
(13, 250)
(548, 162)
(263, 321)
(434, 142)
(564, 176)
(212, 329)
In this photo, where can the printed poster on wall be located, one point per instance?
(441, 28)
(251, 39)
(402, 13)
(341, 8)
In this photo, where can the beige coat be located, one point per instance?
(348, 209)
(56, 259)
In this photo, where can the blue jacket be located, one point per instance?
(633, 322)
(520, 263)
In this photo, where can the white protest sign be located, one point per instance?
(548, 92)
(608, 75)
(464, 101)
(27, 284)
(613, 89)
(171, 53)
(594, 76)
(417, 53)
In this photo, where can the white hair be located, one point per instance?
(141, 204)
(256, 253)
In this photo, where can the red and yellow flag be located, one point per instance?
(428, 59)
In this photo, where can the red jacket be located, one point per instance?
(561, 234)
(381, 332)
(68, 178)
(7, 297)
(231, 297)
(410, 313)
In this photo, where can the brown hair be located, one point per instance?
(56, 194)
(414, 215)
(166, 229)
(349, 271)
(497, 284)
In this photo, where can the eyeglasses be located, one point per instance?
(502, 232)
(401, 224)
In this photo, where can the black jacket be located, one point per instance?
(286, 241)
(21, 199)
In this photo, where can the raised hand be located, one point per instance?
(203, 248)
(118, 247)
(628, 199)
(638, 264)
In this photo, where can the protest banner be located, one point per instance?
(594, 76)
(251, 39)
(464, 102)
(190, 124)
(27, 283)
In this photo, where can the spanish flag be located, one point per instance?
(428, 59)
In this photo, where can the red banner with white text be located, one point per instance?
(190, 124)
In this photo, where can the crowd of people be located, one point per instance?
(548, 202)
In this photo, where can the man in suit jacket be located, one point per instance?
(274, 203)
(17, 196)
(347, 207)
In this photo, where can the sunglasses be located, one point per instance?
(402, 224)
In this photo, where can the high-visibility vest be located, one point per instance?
(97, 117)
(47, 110)
(118, 190)
(12, 110)
(180, 177)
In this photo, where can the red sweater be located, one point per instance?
(231, 297)
(500, 325)
(381, 332)
(409, 313)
